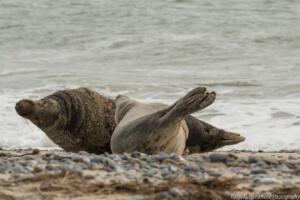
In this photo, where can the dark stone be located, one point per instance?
(296, 171)
(151, 172)
(76, 171)
(98, 159)
(258, 171)
(252, 159)
(88, 177)
(136, 154)
(77, 159)
(291, 165)
(292, 158)
(3, 169)
(91, 166)
(45, 185)
(29, 157)
(146, 180)
(245, 174)
(160, 157)
(164, 195)
(217, 157)
(176, 192)
(215, 174)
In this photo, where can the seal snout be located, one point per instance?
(24, 107)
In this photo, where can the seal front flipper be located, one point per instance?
(193, 101)
(204, 137)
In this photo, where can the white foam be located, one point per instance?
(17, 132)
(18, 71)
(257, 123)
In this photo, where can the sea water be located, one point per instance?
(156, 51)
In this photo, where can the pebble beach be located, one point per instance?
(54, 174)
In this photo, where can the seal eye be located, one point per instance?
(44, 105)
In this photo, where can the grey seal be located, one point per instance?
(141, 127)
(76, 120)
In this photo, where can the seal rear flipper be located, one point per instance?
(193, 101)
(204, 137)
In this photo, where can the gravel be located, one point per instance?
(148, 169)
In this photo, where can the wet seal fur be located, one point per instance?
(149, 129)
(76, 120)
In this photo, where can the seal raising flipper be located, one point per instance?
(204, 137)
(193, 101)
(143, 128)
(78, 119)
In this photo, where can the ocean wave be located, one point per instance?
(19, 71)
(230, 84)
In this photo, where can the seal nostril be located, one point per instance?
(18, 107)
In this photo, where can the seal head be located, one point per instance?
(43, 113)
(76, 120)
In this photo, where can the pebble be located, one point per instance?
(160, 157)
(292, 158)
(136, 154)
(252, 159)
(164, 195)
(176, 192)
(28, 157)
(291, 165)
(261, 164)
(269, 160)
(296, 171)
(245, 174)
(243, 160)
(258, 171)
(37, 169)
(266, 180)
(217, 157)
(191, 167)
(233, 156)
(138, 197)
(88, 177)
(215, 174)
(151, 170)
(45, 185)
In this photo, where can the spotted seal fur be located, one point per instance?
(142, 128)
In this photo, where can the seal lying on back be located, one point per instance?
(142, 128)
(76, 120)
